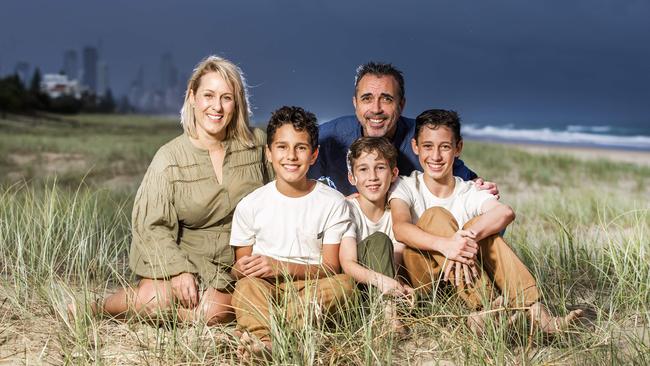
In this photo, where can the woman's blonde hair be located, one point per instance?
(238, 128)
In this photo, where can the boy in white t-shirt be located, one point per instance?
(287, 234)
(374, 257)
(451, 230)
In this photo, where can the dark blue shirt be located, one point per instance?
(336, 136)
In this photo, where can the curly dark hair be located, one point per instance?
(434, 118)
(379, 69)
(300, 119)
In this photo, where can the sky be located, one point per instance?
(542, 63)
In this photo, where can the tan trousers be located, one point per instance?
(505, 270)
(254, 299)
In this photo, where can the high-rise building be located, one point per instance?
(71, 64)
(90, 68)
(168, 72)
(102, 79)
(136, 89)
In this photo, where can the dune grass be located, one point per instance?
(583, 228)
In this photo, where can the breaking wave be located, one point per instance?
(572, 135)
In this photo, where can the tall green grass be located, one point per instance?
(59, 246)
(583, 228)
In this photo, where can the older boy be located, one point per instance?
(287, 234)
(429, 209)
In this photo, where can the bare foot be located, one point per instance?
(252, 348)
(549, 324)
(476, 320)
(400, 330)
(73, 311)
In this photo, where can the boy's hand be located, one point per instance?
(389, 286)
(465, 234)
(257, 265)
(460, 248)
(483, 185)
(462, 273)
(238, 269)
(185, 289)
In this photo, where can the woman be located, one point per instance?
(183, 209)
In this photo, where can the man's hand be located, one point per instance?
(258, 265)
(483, 185)
(185, 289)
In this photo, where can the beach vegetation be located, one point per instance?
(66, 191)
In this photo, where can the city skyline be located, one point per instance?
(551, 63)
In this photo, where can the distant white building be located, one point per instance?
(58, 85)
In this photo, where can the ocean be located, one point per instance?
(615, 136)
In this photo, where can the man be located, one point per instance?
(378, 102)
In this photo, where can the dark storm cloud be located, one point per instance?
(551, 61)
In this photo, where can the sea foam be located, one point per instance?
(573, 135)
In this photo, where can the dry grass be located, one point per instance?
(583, 228)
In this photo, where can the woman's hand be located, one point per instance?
(185, 289)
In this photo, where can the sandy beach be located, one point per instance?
(584, 153)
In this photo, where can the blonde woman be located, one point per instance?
(183, 209)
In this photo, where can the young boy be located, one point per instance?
(287, 234)
(370, 254)
(374, 257)
(449, 226)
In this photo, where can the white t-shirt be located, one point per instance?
(287, 228)
(464, 203)
(364, 227)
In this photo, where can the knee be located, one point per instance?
(381, 240)
(438, 221)
(377, 242)
(437, 213)
(346, 284)
(217, 314)
(247, 284)
(151, 297)
(245, 288)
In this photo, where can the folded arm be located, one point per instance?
(495, 218)
(456, 248)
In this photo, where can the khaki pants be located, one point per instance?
(504, 269)
(254, 298)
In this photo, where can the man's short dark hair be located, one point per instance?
(379, 145)
(300, 119)
(434, 118)
(379, 69)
